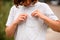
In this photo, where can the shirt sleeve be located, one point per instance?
(49, 13)
(10, 17)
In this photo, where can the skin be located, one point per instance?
(10, 30)
(27, 3)
(54, 24)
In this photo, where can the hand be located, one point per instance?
(38, 14)
(21, 18)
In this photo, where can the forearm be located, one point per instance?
(55, 25)
(11, 30)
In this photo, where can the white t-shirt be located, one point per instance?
(32, 28)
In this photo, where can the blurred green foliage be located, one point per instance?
(5, 6)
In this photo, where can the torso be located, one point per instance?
(32, 28)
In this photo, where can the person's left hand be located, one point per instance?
(37, 14)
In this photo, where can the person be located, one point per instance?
(29, 20)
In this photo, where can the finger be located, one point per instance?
(23, 14)
(36, 15)
(33, 14)
(21, 19)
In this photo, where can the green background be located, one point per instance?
(5, 6)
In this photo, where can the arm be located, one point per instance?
(10, 30)
(55, 25)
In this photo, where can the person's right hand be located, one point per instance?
(20, 18)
